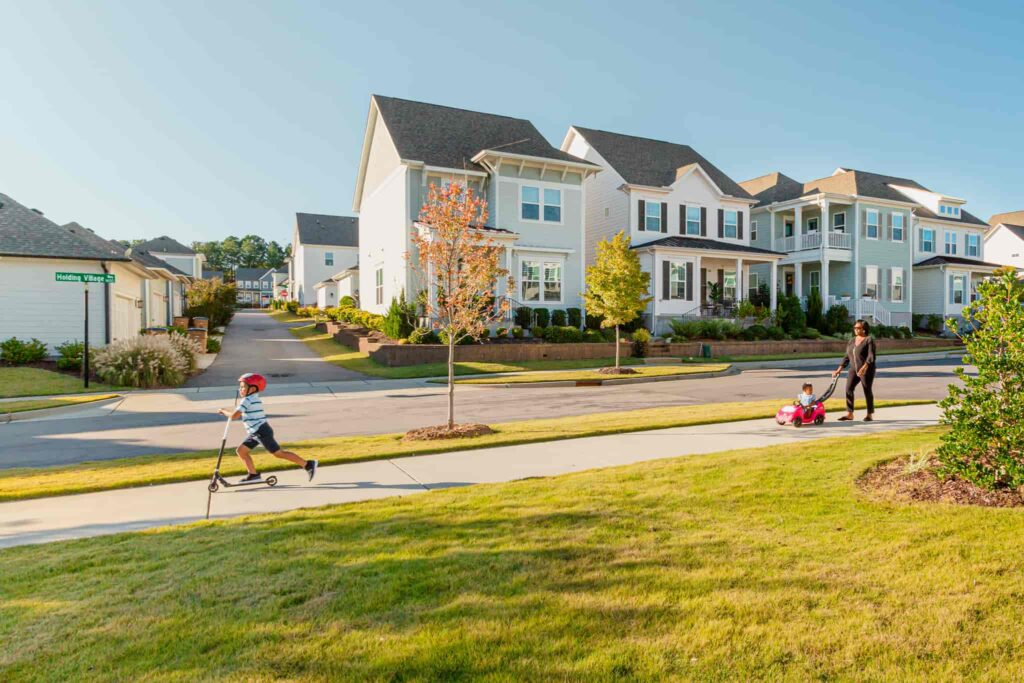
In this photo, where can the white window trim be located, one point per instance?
(753, 230)
(964, 279)
(903, 228)
(967, 246)
(923, 240)
(877, 223)
(329, 254)
(791, 223)
(735, 224)
(946, 243)
(647, 205)
(893, 272)
(812, 276)
(541, 186)
(834, 216)
(378, 285)
(542, 260)
(867, 271)
(681, 265)
(686, 220)
(817, 225)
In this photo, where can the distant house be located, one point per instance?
(254, 286)
(177, 254)
(322, 245)
(1004, 241)
(213, 274)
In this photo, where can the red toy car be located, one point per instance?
(798, 416)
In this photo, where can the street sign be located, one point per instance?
(105, 278)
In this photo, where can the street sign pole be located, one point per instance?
(85, 354)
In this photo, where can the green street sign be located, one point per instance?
(105, 278)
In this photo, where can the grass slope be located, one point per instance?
(824, 354)
(43, 403)
(589, 375)
(102, 475)
(760, 564)
(18, 381)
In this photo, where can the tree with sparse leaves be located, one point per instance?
(617, 288)
(460, 265)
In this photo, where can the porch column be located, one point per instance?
(826, 221)
(698, 286)
(771, 230)
(798, 280)
(739, 280)
(798, 228)
(773, 289)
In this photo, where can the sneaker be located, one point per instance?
(250, 478)
(311, 466)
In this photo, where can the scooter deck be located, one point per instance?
(219, 481)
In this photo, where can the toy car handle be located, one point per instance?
(828, 394)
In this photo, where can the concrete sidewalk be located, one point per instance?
(93, 514)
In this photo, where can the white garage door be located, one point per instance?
(157, 310)
(126, 320)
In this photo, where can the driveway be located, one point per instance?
(256, 342)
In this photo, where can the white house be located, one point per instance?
(1004, 241)
(688, 221)
(322, 245)
(534, 192)
(177, 254)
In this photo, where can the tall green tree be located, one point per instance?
(617, 288)
(230, 249)
(252, 252)
(275, 255)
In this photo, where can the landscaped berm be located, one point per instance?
(765, 564)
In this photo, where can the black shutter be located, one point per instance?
(689, 281)
(682, 219)
(703, 285)
(703, 223)
(665, 266)
(721, 223)
(739, 224)
(643, 207)
(664, 216)
(721, 281)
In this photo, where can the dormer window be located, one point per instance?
(950, 211)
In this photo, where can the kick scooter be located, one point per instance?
(217, 481)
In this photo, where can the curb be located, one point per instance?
(6, 418)
(603, 382)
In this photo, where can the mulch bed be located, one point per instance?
(893, 480)
(438, 432)
(612, 370)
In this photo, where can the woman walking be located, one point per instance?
(860, 356)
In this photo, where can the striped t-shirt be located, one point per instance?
(252, 413)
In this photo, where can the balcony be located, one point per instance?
(812, 240)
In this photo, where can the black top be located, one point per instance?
(864, 354)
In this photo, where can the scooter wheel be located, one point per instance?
(271, 481)
(798, 423)
(819, 420)
(213, 487)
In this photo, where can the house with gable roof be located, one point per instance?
(1004, 240)
(322, 246)
(171, 251)
(534, 192)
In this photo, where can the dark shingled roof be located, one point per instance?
(335, 231)
(703, 243)
(24, 232)
(450, 137)
(147, 259)
(213, 274)
(165, 245)
(641, 161)
(773, 187)
(250, 273)
(955, 261)
(86, 235)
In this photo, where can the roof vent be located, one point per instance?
(38, 211)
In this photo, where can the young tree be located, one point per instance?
(460, 266)
(617, 288)
(985, 442)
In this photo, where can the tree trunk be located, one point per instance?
(617, 345)
(451, 381)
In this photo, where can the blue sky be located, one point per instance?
(203, 119)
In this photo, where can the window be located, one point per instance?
(871, 282)
(753, 231)
(729, 229)
(677, 281)
(953, 211)
(531, 281)
(328, 258)
(950, 243)
(896, 285)
(729, 285)
(959, 287)
(928, 240)
(973, 245)
(266, 285)
(871, 225)
(693, 220)
(787, 228)
(897, 227)
(533, 289)
(812, 225)
(755, 282)
(815, 281)
(652, 216)
(839, 222)
(379, 286)
(533, 209)
(553, 282)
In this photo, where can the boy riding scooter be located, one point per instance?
(250, 410)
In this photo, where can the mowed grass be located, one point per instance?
(592, 375)
(100, 475)
(828, 354)
(285, 317)
(20, 381)
(338, 354)
(43, 403)
(763, 564)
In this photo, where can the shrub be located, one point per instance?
(747, 335)
(517, 332)
(746, 309)
(543, 316)
(347, 301)
(70, 355)
(934, 323)
(398, 322)
(212, 299)
(762, 298)
(212, 345)
(907, 332)
(423, 335)
(142, 362)
(563, 334)
(593, 337)
(608, 333)
(187, 349)
(593, 322)
(686, 330)
(776, 333)
(810, 333)
(790, 315)
(574, 317)
(501, 333)
(837, 320)
(464, 341)
(537, 332)
(292, 306)
(985, 441)
(917, 321)
(19, 352)
(730, 330)
(641, 340)
(484, 334)
(814, 306)
(524, 317)
(758, 332)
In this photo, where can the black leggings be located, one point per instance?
(852, 380)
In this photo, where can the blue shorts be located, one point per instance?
(263, 436)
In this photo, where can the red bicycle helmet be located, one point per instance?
(254, 380)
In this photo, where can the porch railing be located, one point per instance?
(864, 308)
(785, 244)
(813, 240)
(839, 240)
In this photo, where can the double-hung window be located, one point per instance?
(328, 258)
(530, 280)
(652, 216)
(958, 294)
(730, 220)
(379, 286)
(553, 282)
(530, 203)
(816, 281)
(897, 227)
(812, 225)
(973, 245)
(754, 283)
(896, 285)
(871, 282)
(729, 285)
(693, 220)
(540, 204)
(676, 280)
(787, 228)
(753, 231)
(871, 225)
(541, 281)
(950, 241)
(928, 240)
(839, 222)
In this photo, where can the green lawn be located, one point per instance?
(17, 381)
(761, 564)
(285, 317)
(827, 354)
(341, 355)
(43, 403)
(591, 375)
(102, 475)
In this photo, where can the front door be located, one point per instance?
(789, 284)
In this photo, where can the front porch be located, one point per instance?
(824, 224)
